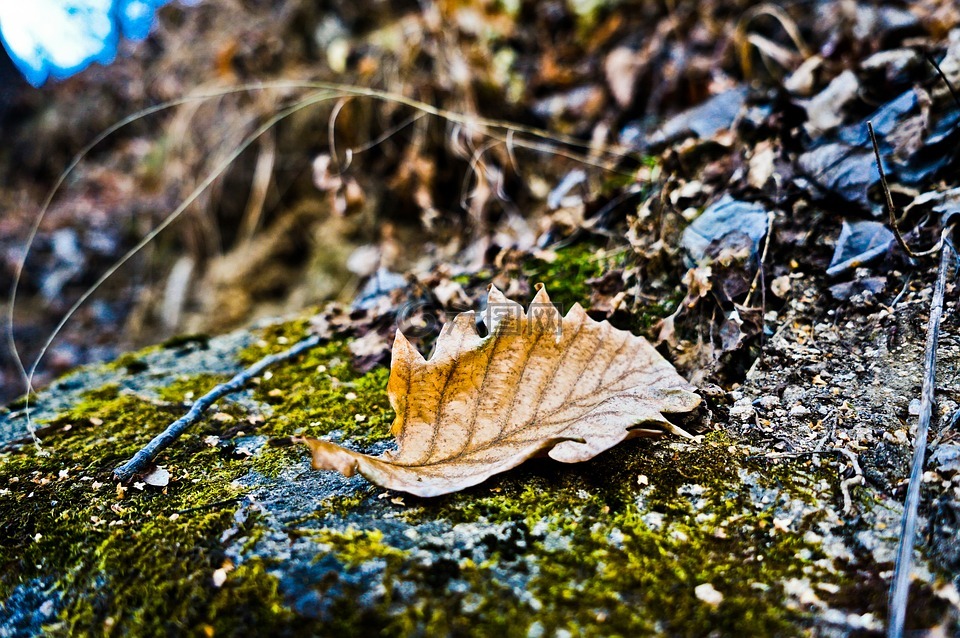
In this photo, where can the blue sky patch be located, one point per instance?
(57, 38)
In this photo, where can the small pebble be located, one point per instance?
(780, 286)
(768, 401)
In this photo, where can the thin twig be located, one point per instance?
(903, 291)
(147, 453)
(891, 209)
(763, 259)
(946, 80)
(901, 576)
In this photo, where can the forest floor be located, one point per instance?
(705, 180)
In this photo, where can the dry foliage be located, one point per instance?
(570, 387)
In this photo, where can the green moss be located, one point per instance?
(594, 551)
(373, 587)
(610, 556)
(616, 558)
(564, 273)
(486, 607)
(107, 392)
(159, 571)
(190, 387)
(321, 393)
(132, 362)
(273, 459)
(143, 562)
(354, 547)
(134, 560)
(615, 546)
(21, 402)
(275, 338)
(250, 598)
(341, 505)
(565, 277)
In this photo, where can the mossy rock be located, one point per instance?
(653, 537)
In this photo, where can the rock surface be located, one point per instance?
(760, 528)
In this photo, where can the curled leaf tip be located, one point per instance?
(329, 456)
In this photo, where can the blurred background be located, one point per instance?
(353, 186)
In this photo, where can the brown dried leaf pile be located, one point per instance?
(570, 387)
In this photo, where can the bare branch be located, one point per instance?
(900, 589)
(149, 452)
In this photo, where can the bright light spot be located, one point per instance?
(57, 38)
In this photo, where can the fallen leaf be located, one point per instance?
(570, 387)
(158, 477)
(825, 110)
(859, 243)
(724, 222)
(704, 121)
(621, 69)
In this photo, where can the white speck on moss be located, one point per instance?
(653, 520)
(708, 594)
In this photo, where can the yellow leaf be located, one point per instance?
(570, 387)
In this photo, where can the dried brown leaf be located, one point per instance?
(570, 387)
